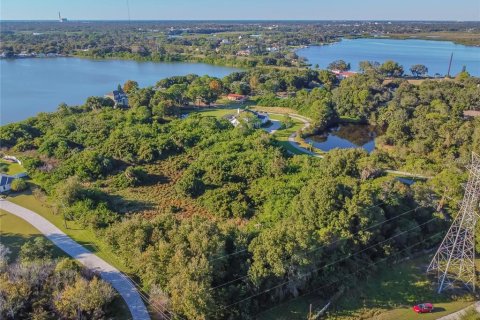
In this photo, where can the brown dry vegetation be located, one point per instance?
(159, 194)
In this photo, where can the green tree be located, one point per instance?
(133, 176)
(327, 78)
(96, 103)
(340, 65)
(38, 248)
(166, 108)
(369, 66)
(391, 69)
(130, 86)
(68, 191)
(84, 299)
(190, 185)
(418, 70)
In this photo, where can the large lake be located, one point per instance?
(434, 54)
(29, 86)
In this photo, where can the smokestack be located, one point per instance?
(450, 65)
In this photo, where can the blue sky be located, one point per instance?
(242, 9)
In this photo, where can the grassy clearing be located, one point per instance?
(283, 135)
(275, 110)
(388, 295)
(216, 112)
(14, 232)
(12, 168)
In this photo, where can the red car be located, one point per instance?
(423, 308)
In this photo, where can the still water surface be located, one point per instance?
(433, 54)
(346, 136)
(29, 86)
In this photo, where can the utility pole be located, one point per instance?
(454, 261)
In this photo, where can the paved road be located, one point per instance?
(108, 273)
(274, 126)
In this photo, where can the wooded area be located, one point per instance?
(222, 222)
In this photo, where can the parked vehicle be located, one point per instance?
(423, 308)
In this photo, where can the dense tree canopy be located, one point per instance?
(191, 204)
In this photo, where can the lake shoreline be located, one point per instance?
(30, 86)
(434, 54)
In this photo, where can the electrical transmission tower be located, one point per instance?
(454, 261)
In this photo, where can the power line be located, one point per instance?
(246, 249)
(329, 244)
(345, 277)
(327, 265)
(140, 291)
(454, 260)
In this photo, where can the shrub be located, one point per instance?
(19, 185)
(133, 176)
(38, 248)
(190, 185)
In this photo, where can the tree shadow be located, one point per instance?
(15, 241)
(124, 206)
(154, 179)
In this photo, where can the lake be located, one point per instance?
(433, 54)
(345, 136)
(29, 86)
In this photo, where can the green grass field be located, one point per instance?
(388, 295)
(13, 168)
(282, 135)
(14, 232)
(217, 112)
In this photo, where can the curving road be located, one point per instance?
(106, 271)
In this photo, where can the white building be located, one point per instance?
(261, 116)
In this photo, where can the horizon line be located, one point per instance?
(227, 20)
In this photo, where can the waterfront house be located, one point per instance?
(119, 98)
(343, 74)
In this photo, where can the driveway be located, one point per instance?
(274, 126)
(291, 139)
(107, 272)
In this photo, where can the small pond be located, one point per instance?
(346, 136)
